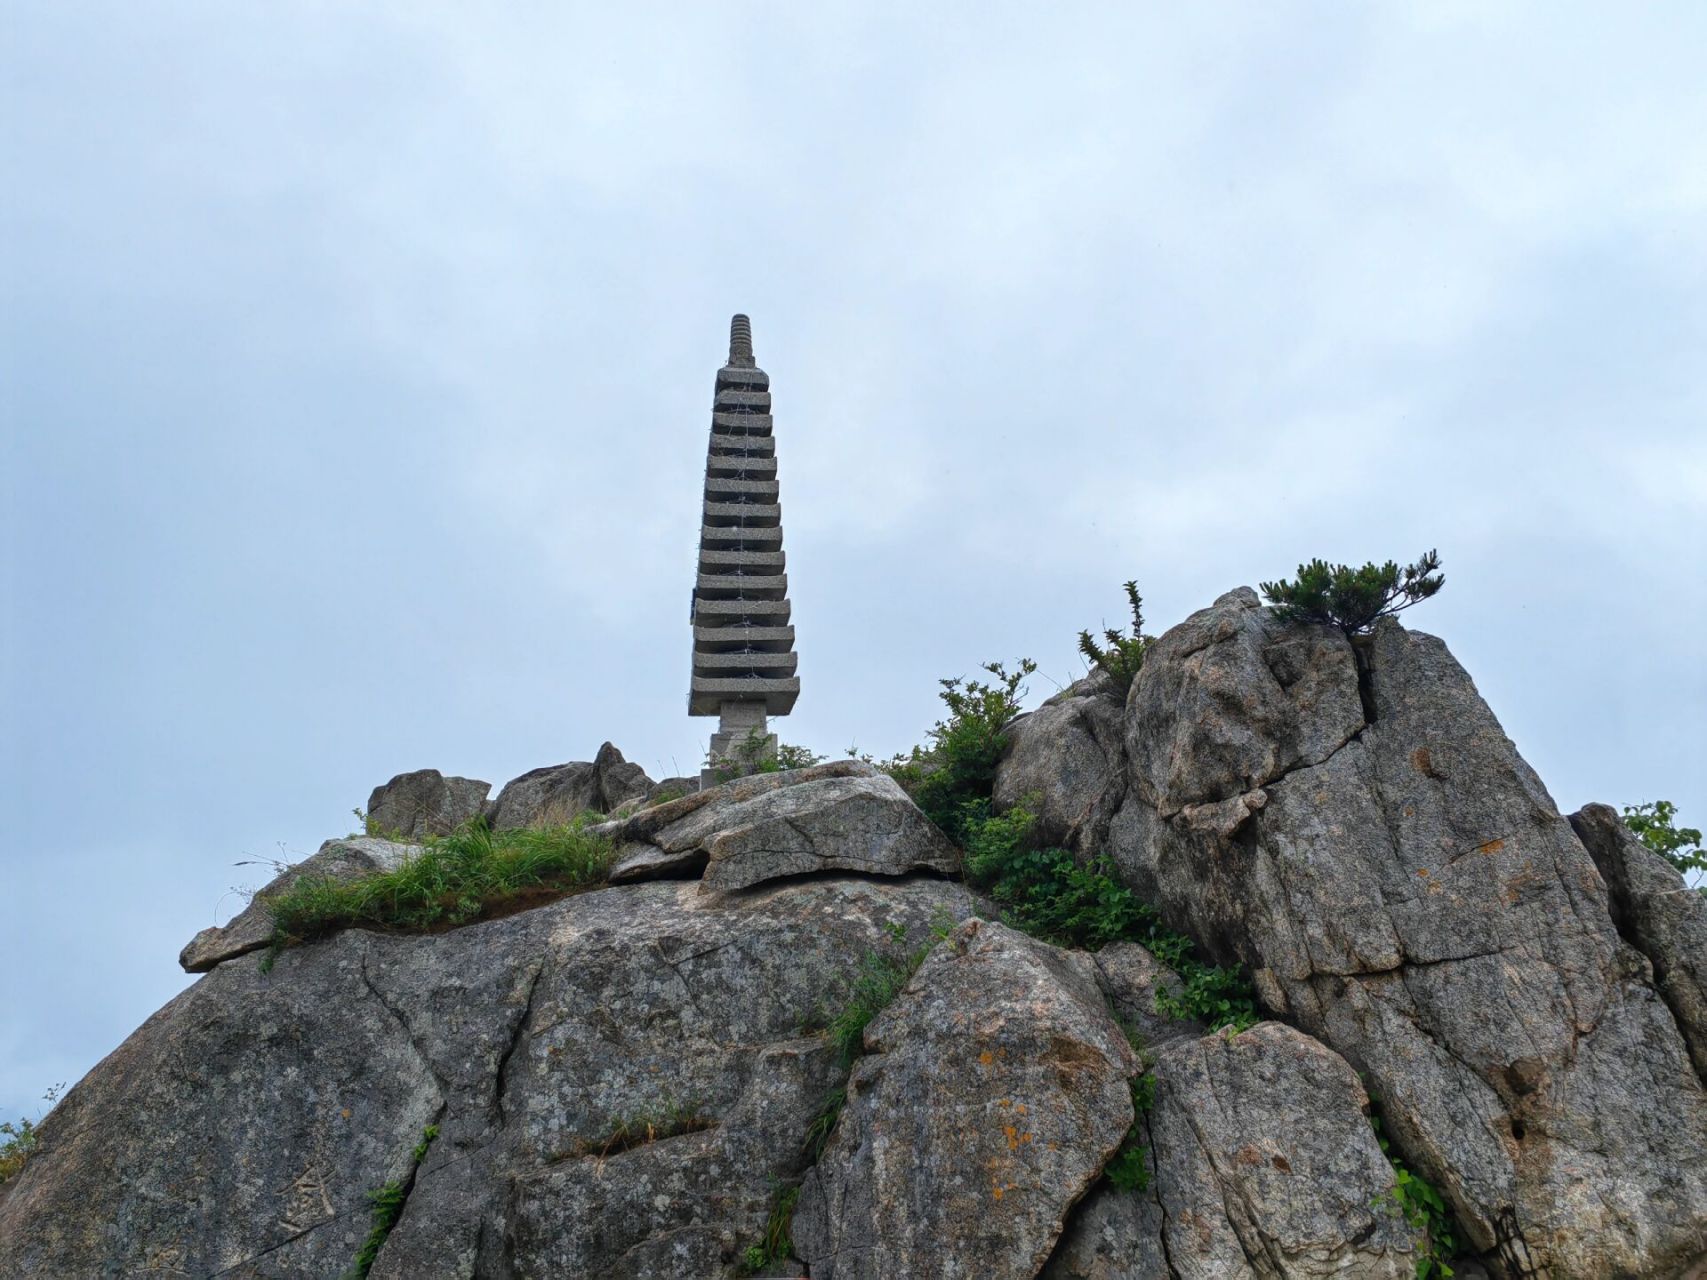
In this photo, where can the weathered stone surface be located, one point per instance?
(240, 1129)
(1113, 1235)
(1266, 1164)
(1230, 699)
(425, 803)
(1262, 1163)
(993, 1090)
(1658, 914)
(841, 817)
(636, 862)
(1408, 893)
(252, 928)
(1130, 978)
(561, 793)
(1069, 760)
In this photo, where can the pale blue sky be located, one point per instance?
(356, 365)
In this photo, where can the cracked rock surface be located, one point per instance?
(845, 816)
(239, 1131)
(1404, 889)
(992, 1092)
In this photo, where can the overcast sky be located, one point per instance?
(357, 362)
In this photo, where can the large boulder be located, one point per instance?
(1067, 760)
(844, 816)
(252, 928)
(992, 1092)
(424, 803)
(1658, 914)
(1263, 1163)
(560, 793)
(1402, 887)
(240, 1130)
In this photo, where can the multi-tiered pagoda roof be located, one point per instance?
(743, 645)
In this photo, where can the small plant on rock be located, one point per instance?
(1354, 599)
(1424, 1210)
(1124, 654)
(18, 1141)
(387, 1207)
(1129, 1168)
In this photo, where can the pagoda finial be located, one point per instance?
(740, 343)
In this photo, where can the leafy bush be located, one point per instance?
(471, 873)
(1354, 599)
(960, 764)
(1423, 1208)
(387, 1205)
(18, 1141)
(1125, 654)
(1655, 826)
(1051, 895)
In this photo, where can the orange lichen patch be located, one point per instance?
(1492, 846)
(1013, 1136)
(1004, 1102)
(986, 1057)
(1423, 871)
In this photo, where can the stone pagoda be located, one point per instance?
(743, 645)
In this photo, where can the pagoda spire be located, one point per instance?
(743, 645)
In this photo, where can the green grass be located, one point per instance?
(387, 1204)
(778, 1243)
(18, 1141)
(472, 873)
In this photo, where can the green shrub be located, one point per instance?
(1655, 826)
(387, 1207)
(1423, 1208)
(959, 766)
(1051, 895)
(470, 873)
(1125, 654)
(1354, 599)
(18, 1141)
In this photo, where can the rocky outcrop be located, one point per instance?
(1263, 1163)
(252, 928)
(239, 1131)
(560, 793)
(1402, 887)
(424, 803)
(845, 816)
(623, 1082)
(1658, 914)
(1067, 761)
(992, 1092)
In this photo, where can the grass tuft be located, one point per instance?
(472, 873)
(387, 1207)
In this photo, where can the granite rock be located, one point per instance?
(1403, 888)
(992, 1091)
(1067, 760)
(424, 803)
(845, 816)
